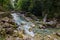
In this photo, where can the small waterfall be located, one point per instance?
(12, 2)
(45, 17)
(26, 26)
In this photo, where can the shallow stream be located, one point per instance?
(27, 25)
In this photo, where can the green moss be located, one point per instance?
(2, 38)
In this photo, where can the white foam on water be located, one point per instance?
(12, 2)
(26, 26)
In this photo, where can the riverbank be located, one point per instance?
(9, 29)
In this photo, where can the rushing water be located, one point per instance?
(27, 25)
(23, 24)
(45, 17)
(12, 2)
(20, 20)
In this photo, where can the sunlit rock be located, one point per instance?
(6, 25)
(17, 38)
(15, 31)
(38, 37)
(28, 19)
(3, 32)
(9, 38)
(55, 39)
(58, 34)
(41, 26)
(27, 37)
(32, 25)
(48, 37)
(58, 26)
(20, 34)
(6, 19)
(51, 37)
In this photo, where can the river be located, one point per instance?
(26, 25)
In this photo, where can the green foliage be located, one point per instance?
(6, 4)
(2, 38)
(23, 5)
(37, 7)
(1, 2)
(33, 6)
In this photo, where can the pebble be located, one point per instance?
(55, 39)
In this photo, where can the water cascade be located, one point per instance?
(45, 17)
(20, 20)
(12, 2)
(27, 25)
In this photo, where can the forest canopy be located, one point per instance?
(37, 7)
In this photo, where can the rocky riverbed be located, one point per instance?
(8, 30)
